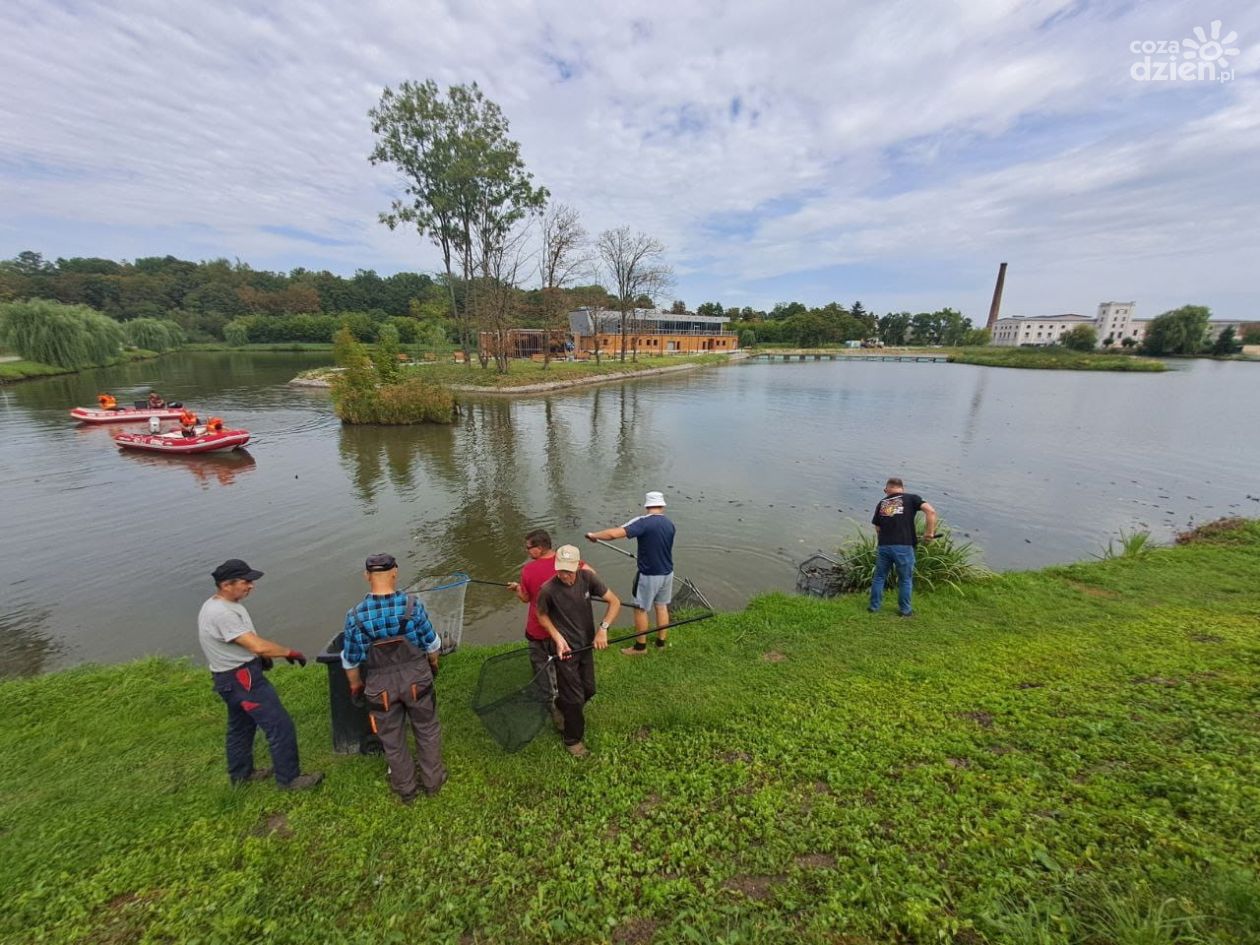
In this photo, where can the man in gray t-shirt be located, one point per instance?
(238, 658)
(564, 611)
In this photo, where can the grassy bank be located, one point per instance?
(11, 371)
(1053, 359)
(525, 373)
(1067, 756)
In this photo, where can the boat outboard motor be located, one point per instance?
(155, 424)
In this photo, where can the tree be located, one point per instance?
(635, 263)
(894, 328)
(563, 256)
(1226, 343)
(69, 336)
(1179, 331)
(678, 308)
(466, 186)
(1080, 338)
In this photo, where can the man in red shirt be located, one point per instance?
(540, 569)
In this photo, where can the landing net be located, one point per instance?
(512, 699)
(443, 599)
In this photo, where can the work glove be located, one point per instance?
(357, 699)
(268, 663)
(293, 656)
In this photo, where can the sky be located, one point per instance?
(892, 153)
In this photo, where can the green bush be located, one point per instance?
(942, 562)
(747, 338)
(236, 333)
(361, 395)
(153, 334)
(67, 336)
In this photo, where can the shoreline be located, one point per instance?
(545, 387)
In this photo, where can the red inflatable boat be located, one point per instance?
(175, 443)
(124, 414)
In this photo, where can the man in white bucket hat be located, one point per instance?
(654, 580)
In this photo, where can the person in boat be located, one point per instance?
(214, 425)
(188, 423)
(390, 654)
(238, 659)
(107, 401)
(155, 400)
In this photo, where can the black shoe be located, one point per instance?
(303, 781)
(907, 616)
(872, 610)
(258, 774)
(445, 778)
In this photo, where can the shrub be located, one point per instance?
(236, 333)
(942, 562)
(153, 334)
(1079, 338)
(359, 396)
(67, 336)
(747, 338)
(1131, 545)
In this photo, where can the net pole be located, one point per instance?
(628, 554)
(631, 636)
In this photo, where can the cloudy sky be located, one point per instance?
(889, 152)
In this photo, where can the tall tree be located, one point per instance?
(635, 265)
(466, 186)
(1180, 331)
(563, 256)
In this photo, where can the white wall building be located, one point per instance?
(1116, 321)
(1015, 330)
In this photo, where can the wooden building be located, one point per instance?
(650, 331)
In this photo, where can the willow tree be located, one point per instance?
(68, 336)
(465, 184)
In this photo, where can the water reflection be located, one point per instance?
(208, 469)
(25, 648)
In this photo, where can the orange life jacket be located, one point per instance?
(214, 424)
(188, 419)
(107, 401)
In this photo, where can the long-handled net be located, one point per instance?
(513, 697)
(443, 599)
(688, 600)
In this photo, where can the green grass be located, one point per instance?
(522, 373)
(1065, 756)
(11, 371)
(1054, 359)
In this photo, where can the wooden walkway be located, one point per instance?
(809, 356)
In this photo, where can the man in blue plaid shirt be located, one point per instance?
(390, 654)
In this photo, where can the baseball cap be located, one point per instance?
(381, 562)
(568, 558)
(653, 500)
(234, 569)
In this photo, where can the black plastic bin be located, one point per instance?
(351, 733)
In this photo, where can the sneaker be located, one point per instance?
(872, 610)
(303, 781)
(578, 750)
(258, 774)
(911, 614)
(633, 651)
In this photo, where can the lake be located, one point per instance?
(106, 555)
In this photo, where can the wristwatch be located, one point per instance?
(603, 625)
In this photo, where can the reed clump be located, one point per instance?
(367, 391)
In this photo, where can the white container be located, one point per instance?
(155, 424)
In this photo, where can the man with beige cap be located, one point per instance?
(564, 610)
(654, 580)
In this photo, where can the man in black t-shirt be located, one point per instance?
(894, 522)
(564, 611)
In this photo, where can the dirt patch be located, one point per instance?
(821, 787)
(983, 719)
(273, 823)
(635, 932)
(1223, 531)
(754, 887)
(815, 861)
(958, 762)
(1001, 750)
(1031, 685)
(647, 805)
(730, 757)
(1168, 681)
(968, 937)
(641, 734)
(1090, 590)
(869, 797)
(1206, 638)
(773, 656)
